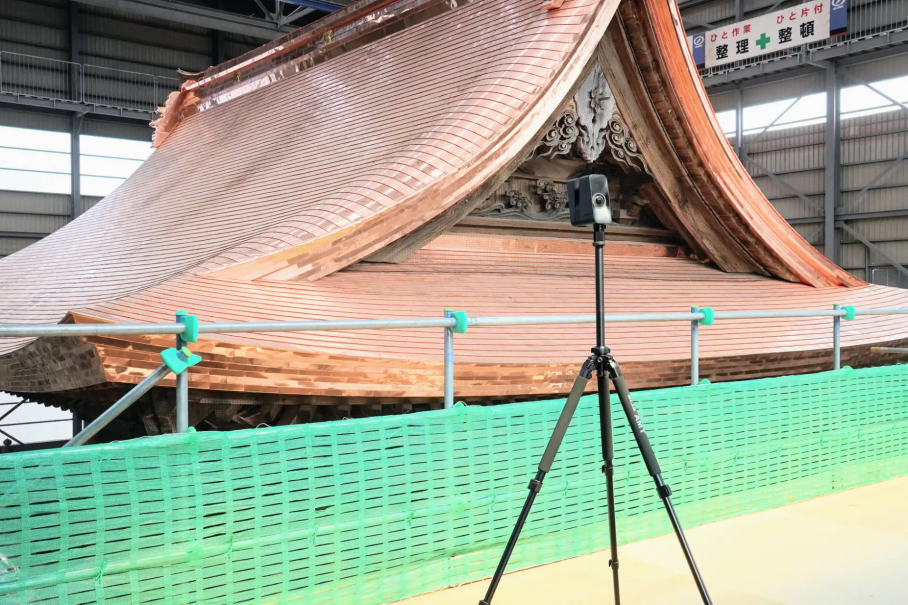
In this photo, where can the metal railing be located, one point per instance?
(866, 19)
(53, 80)
(448, 322)
(117, 88)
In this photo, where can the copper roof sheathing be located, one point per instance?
(261, 206)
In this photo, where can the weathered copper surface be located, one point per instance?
(264, 205)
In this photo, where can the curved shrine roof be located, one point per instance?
(258, 207)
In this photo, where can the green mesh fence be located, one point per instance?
(371, 511)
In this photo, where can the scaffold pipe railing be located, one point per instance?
(452, 322)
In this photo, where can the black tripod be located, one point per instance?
(605, 366)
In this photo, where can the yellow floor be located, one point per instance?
(848, 548)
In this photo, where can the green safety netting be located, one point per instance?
(375, 510)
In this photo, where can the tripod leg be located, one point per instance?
(545, 465)
(608, 468)
(652, 465)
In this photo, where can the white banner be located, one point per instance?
(793, 26)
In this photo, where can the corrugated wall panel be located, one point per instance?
(720, 11)
(783, 161)
(33, 12)
(785, 89)
(133, 56)
(33, 35)
(118, 130)
(152, 21)
(795, 207)
(881, 69)
(809, 183)
(854, 257)
(233, 48)
(787, 138)
(26, 202)
(888, 233)
(723, 101)
(876, 200)
(880, 123)
(813, 234)
(89, 201)
(34, 51)
(855, 178)
(875, 149)
(30, 119)
(10, 245)
(31, 223)
(145, 33)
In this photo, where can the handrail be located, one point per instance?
(232, 327)
(449, 322)
(43, 78)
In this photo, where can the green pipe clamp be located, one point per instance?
(460, 321)
(850, 312)
(178, 360)
(191, 332)
(709, 316)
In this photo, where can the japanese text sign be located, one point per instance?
(783, 29)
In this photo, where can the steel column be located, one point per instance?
(833, 168)
(836, 339)
(694, 348)
(449, 363)
(739, 124)
(75, 151)
(75, 166)
(217, 40)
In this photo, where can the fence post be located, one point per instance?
(449, 363)
(836, 339)
(182, 390)
(694, 348)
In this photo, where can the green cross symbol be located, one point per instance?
(762, 41)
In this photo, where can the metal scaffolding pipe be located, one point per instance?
(449, 364)
(776, 314)
(881, 311)
(183, 401)
(836, 339)
(893, 350)
(61, 330)
(312, 326)
(116, 409)
(182, 390)
(39, 330)
(695, 347)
